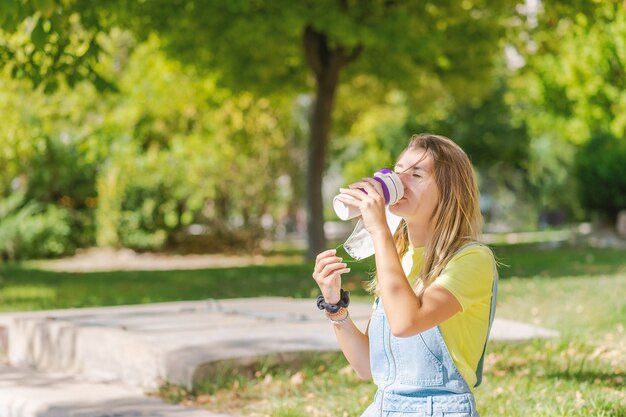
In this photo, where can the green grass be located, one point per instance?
(566, 377)
(582, 373)
(527, 261)
(538, 378)
(24, 287)
(311, 384)
(578, 291)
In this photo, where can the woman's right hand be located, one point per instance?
(327, 274)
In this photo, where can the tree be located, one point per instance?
(570, 89)
(280, 46)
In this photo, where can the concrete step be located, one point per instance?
(141, 346)
(504, 330)
(26, 393)
(144, 345)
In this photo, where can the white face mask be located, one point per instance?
(360, 244)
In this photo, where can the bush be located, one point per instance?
(223, 185)
(29, 230)
(601, 175)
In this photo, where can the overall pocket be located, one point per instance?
(416, 363)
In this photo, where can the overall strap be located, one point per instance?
(494, 293)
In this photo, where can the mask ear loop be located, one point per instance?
(347, 261)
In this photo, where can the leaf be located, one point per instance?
(38, 35)
(102, 84)
(11, 203)
(51, 86)
(46, 7)
(8, 19)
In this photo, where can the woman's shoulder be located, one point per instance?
(474, 252)
(469, 275)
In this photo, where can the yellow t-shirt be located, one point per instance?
(469, 277)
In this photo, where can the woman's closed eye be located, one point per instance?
(403, 172)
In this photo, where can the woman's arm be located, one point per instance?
(354, 344)
(408, 316)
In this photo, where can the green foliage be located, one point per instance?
(572, 85)
(29, 231)
(258, 44)
(170, 150)
(192, 156)
(140, 167)
(601, 175)
(379, 122)
(485, 130)
(48, 42)
(376, 135)
(47, 145)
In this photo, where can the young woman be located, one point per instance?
(435, 287)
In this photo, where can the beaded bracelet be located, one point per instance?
(331, 316)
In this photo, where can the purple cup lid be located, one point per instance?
(385, 171)
(385, 190)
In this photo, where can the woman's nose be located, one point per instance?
(403, 179)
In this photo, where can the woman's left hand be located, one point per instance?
(371, 205)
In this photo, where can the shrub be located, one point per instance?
(30, 230)
(601, 175)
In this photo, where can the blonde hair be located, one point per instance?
(457, 219)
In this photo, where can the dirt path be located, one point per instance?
(103, 259)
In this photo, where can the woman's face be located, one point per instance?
(421, 194)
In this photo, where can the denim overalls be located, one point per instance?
(416, 375)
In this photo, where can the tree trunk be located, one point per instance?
(326, 64)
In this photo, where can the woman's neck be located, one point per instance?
(419, 234)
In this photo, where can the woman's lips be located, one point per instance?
(402, 199)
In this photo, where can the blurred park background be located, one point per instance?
(225, 127)
(209, 126)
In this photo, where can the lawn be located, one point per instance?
(578, 291)
(25, 287)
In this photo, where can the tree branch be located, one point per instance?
(313, 43)
(354, 54)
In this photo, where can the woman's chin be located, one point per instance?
(398, 209)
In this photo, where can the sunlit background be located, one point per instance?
(187, 126)
(143, 129)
